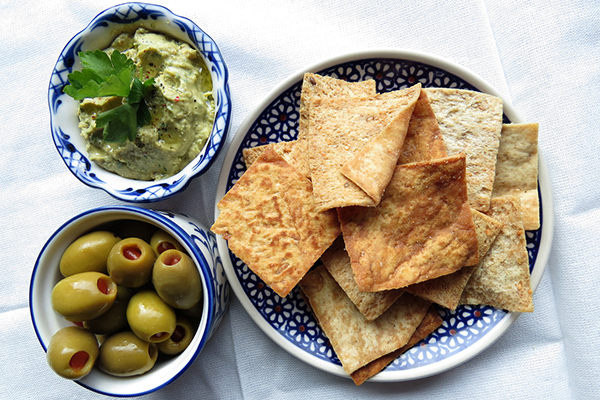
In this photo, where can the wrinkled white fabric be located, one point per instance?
(541, 55)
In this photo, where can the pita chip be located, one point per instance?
(429, 324)
(422, 229)
(341, 128)
(471, 123)
(291, 151)
(370, 304)
(502, 279)
(372, 167)
(269, 221)
(446, 290)
(423, 141)
(355, 340)
(517, 169)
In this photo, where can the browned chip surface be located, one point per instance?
(292, 152)
(430, 323)
(447, 290)
(370, 304)
(423, 141)
(269, 221)
(338, 130)
(517, 169)
(422, 228)
(315, 86)
(371, 168)
(355, 340)
(502, 278)
(471, 123)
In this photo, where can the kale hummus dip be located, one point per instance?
(181, 106)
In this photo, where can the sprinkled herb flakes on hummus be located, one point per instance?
(181, 106)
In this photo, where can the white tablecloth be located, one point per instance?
(543, 55)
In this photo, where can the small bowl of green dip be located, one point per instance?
(139, 103)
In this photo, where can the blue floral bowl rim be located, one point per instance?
(454, 360)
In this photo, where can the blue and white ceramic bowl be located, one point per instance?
(199, 243)
(63, 109)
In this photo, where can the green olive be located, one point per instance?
(125, 354)
(84, 296)
(88, 253)
(72, 352)
(115, 319)
(130, 262)
(162, 241)
(176, 279)
(134, 228)
(180, 339)
(150, 317)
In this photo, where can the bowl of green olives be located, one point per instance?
(124, 298)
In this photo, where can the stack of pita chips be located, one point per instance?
(386, 207)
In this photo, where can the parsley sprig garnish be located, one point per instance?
(104, 76)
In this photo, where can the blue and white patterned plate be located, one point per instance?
(63, 109)
(466, 331)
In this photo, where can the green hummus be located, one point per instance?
(181, 105)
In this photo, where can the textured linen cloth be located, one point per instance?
(541, 55)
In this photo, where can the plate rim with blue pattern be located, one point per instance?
(466, 331)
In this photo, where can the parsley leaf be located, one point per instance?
(106, 76)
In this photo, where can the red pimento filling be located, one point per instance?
(132, 253)
(171, 259)
(78, 360)
(164, 246)
(102, 286)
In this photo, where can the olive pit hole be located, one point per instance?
(178, 334)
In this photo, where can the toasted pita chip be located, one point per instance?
(355, 340)
(430, 323)
(370, 304)
(269, 221)
(338, 130)
(502, 278)
(423, 141)
(517, 169)
(471, 123)
(291, 152)
(446, 290)
(422, 229)
(371, 168)
(315, 86)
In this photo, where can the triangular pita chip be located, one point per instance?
(517, 169)
(355, 340)
(291, 151)
(502, 277)
(423, 141)
(422, 229)
(446, 290)
(370, 304)
(430, 323)
(371, 168)
(471, 123)
(338, 130)
(269, 221)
